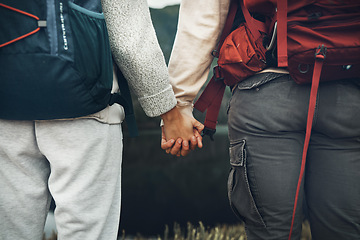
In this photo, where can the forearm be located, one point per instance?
(200, 25)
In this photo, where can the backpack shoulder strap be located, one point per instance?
(255, 26)
(282, 9)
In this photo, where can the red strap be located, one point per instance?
(214, 109)
(254, 25)
(319, 61)
(25, 35)
(210, 100)
(282, 33)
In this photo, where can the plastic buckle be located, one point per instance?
(208, 131)
(217, 73)
(321, 52)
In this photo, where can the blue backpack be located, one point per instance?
(55, 61)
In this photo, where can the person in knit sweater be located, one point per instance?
(78, 161)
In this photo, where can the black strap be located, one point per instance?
(124, 99)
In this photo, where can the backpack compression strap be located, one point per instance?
(282, 8)
(124, 99)
(320, 55)
(41, 23)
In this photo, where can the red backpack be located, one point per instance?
(317, 40)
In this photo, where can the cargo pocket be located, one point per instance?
(239, 192)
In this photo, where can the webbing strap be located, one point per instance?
(25, 35)
(282, 8)
(254, 25)
(210, 100)
(124, 99)
(319, 61)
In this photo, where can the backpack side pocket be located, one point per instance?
(92, 53)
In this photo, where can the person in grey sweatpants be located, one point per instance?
(78, 161)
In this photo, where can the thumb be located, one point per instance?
(198, 125)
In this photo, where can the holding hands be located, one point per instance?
(180, 133)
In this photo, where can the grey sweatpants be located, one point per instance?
(78, 162)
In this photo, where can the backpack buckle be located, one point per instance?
(208, 131)
(217, 73)
(321, 52)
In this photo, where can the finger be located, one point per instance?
(193, 142)
(185, 145)
(199, 126)
(199, 139)
(167, 144)
(176, 148)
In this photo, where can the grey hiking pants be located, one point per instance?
(267, 131)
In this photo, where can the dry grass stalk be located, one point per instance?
(219, 232)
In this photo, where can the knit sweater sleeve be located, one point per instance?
(138, 54)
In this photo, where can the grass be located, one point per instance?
(200, 232)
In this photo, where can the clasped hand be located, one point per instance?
(180, 133)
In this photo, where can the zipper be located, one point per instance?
(52, 26)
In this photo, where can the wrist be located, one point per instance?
(170, 115)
